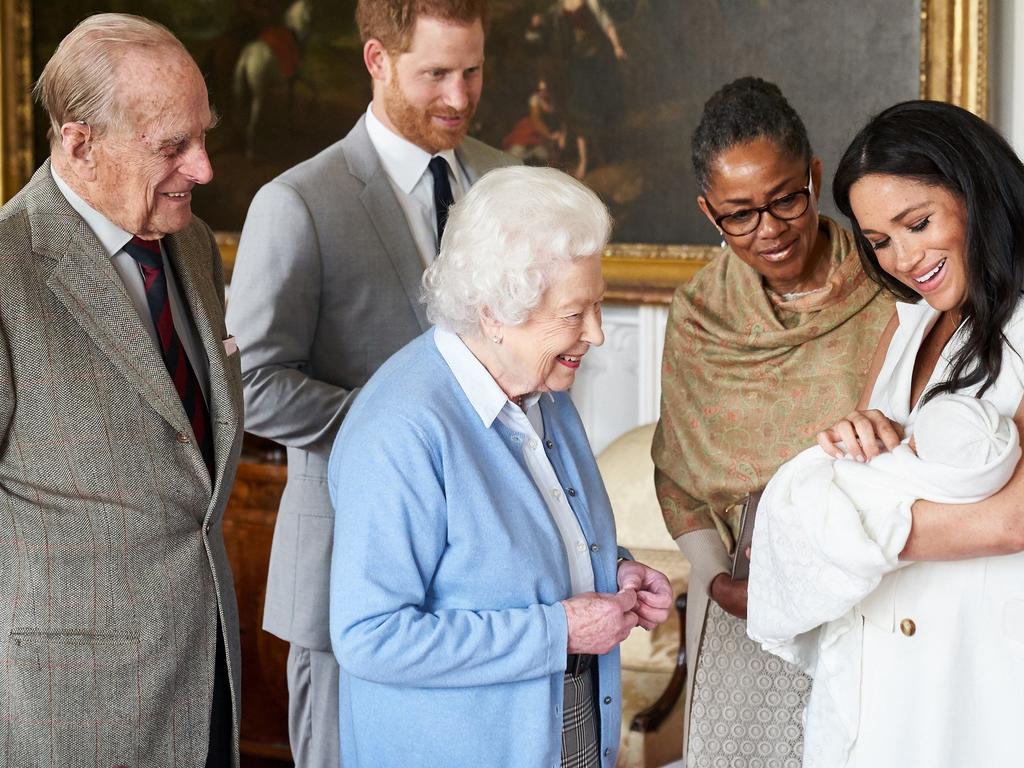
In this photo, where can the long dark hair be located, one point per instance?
(946, 146)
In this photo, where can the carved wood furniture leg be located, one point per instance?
(650, 719)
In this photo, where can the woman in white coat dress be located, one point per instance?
(936, 200)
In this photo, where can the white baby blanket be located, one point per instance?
(828, 530)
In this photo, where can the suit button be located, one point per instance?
(908, 627)
(183, 438)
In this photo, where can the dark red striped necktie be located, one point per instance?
(147, 254)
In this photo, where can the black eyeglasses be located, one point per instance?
(785, 208)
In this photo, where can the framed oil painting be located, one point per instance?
(608, 90)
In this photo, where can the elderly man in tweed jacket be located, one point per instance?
(120, 412)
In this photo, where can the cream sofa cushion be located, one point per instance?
(628, 473)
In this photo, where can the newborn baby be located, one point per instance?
(846, 523)
(961, 432)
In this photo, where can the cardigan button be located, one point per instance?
(908, 627)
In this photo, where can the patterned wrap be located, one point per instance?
(748, 379)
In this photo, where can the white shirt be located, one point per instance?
(113, 239)
(490, 403)
(406, 167)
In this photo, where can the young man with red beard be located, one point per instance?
(326, 287)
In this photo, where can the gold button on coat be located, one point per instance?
(908, 627)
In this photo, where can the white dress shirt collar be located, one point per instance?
(111, 236)
(486, 397)
(404, 162)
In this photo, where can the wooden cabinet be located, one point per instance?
(248, 531)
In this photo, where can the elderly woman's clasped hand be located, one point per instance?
(599, 622)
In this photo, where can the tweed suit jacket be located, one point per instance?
(326, 288)
(113, 569)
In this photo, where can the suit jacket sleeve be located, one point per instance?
(273, 312)
(6, 391)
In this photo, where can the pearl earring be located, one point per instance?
(496, 339)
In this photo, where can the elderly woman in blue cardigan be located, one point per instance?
(477, 594)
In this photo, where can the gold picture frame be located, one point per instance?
(953, 68)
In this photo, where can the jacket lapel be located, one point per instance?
(383, 209)
(189, 259)
(86, 283)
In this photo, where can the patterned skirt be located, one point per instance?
(579, 722)
(747, 705)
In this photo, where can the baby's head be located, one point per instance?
(961, 431)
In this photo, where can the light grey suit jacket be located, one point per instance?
(326, 288)
(112, 563)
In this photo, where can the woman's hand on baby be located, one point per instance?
(864, 435)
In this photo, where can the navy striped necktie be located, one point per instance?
(150, 261)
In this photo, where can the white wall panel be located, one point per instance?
(619, 384)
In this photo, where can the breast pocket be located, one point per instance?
(73, 692)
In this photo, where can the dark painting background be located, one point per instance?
(838, 63)
(299, 118)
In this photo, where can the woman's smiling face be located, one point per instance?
(543, 353)
(919, 235)
(786, 253)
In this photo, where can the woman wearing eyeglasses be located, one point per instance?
(765, 347)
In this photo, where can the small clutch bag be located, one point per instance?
(740, 561)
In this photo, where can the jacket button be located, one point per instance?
(908, 627)
(571, 491)
(183, 438)
(595, 548)
(607, 699)
(549, 443)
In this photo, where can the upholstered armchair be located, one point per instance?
(653, 663)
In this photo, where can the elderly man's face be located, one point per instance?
(145, 173)
(433, 88)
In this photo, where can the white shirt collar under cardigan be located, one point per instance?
(486, 397)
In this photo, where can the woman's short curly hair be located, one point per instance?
(505, 240)
(741, 111)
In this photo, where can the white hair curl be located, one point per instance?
(505, 239)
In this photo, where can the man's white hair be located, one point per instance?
(505, 240)
(80, 84)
